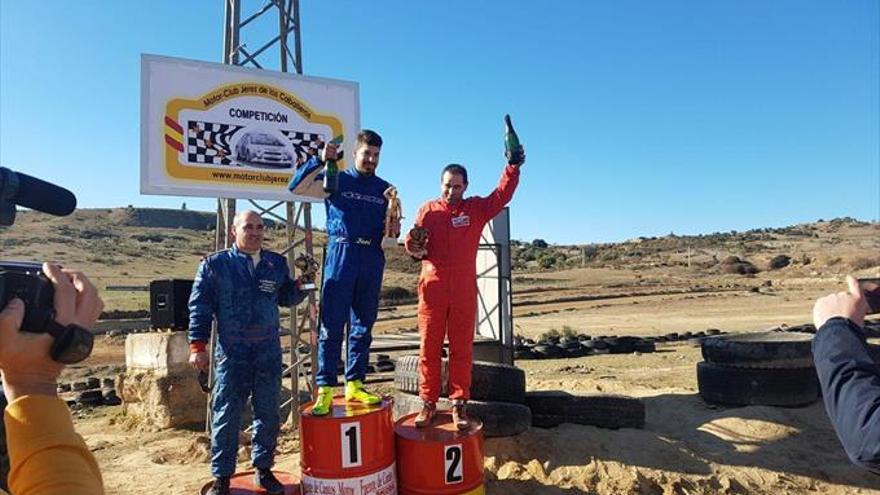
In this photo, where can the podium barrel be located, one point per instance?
(439, 459)
(351, 449)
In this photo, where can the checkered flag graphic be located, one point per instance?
(306, 144)
(207, 142)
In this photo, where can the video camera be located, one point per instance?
(26, 280)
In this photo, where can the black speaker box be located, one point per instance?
(169, 301)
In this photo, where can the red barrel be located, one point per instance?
(439, 460)
(350, 450)
(243, 484)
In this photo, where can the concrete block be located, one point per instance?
(157, 351)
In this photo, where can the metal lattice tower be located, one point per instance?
(237, 32)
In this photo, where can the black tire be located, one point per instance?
(110, 398)
(760, 350)
(552, 408)
(489, 381)
(500, 419)
(646, 346)
(385, 366)
(787, 387)
(523, 352)
(548, 351)
(90, 398)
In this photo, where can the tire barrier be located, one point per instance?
(760, 350)
(439, 459)
(500, 419)
(489, 381)
(768, 368)
(552, 408)
(350, 450)
(728, 385)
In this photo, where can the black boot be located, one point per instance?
(264, 479)
(220, 486)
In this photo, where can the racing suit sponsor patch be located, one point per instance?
(268, 285)
(462, 221)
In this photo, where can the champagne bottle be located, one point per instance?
(512, 147)
(331, 170)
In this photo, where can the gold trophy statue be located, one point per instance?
(392, 218)
(309, 268)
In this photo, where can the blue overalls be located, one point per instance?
(247, 357)
(353, 267)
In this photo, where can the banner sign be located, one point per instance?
(219, 130)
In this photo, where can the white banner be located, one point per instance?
(219, 130)
(383, 482)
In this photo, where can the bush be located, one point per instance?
(780, 261)
(539, 243)
(864, 263)
(741, 268)
(546, 261)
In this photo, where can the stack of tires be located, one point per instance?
(498, 393)
(768, 368)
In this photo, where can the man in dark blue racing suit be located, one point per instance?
(353, 268)
(849, 374)
(242, 287)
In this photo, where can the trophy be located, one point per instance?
(309, 268)
(394, 212)
(419, 236)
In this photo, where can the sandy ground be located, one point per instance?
(686, 447)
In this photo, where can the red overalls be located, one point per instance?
(448, 284)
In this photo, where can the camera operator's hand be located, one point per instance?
(24, 356)
(849, 305)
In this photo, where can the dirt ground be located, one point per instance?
(686, 447)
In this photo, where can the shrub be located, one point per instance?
(864, 263)
(539, 243)
(780, 261)
(741, 268)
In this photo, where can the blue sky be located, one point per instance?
(638, 117)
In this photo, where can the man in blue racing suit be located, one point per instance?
(352, 270)
(242, 287)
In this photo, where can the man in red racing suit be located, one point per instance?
(445, 237)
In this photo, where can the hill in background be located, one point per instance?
(132, 246)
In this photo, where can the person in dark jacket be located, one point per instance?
(848, 374)
(242, 287)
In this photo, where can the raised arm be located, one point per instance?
(503, 192)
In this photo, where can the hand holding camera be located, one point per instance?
(863, 297)
(31, 356)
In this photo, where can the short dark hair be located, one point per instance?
(370, 138)
(454, 168)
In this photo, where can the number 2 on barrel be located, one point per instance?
(452, 460)
(351, 444)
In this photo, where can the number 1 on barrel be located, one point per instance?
(452, 458)
(351, 444)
